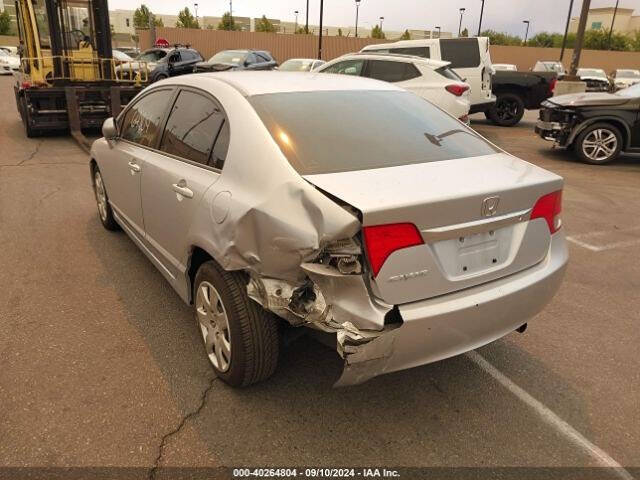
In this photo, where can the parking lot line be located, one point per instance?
(549, 417)
(580, 240)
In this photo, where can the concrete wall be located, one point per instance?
(526, 57)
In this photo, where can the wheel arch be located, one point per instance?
(197, 256)
(616, 122)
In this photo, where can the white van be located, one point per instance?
(469, 58)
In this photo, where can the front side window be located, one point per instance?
(346, 67)
(376, 129)
(390, 71)
(192, 127)
(461, 52)
(142, 121)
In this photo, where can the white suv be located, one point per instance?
(432, 80)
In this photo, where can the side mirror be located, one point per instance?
(109, 129)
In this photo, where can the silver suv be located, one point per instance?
(273, 200)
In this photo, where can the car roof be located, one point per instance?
(397, 57)
(265, 82)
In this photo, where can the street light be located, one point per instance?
(357, 8)
(381, 20)
(195, 6)
(296, 27)
(460, 26)
(320, 38)
(480, 24)
(526, 33)
(439, 30)
(306, 25)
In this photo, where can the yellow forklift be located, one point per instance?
(68, 79)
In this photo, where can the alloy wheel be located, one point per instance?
(506, 109)
(101, 196)
(214, 325)
(600, 144)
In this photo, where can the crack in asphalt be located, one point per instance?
(166, 437)
(32, 154)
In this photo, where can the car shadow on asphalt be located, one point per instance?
(445, 413)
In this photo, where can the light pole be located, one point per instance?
(460, 26)
(231, 9)
(306, 25)
(320, 38)
(577, 50)
(439, 30)
(481, 11)
(296, 27)
(381, 20)
(357, 8)
(613, 20)
(566, 30)
(195, 7)
(526, 33)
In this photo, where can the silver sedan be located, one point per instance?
(272, 201)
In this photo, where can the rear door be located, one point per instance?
(179, 173)
(123, 168)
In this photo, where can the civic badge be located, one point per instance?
(490, 206)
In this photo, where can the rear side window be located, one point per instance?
(423, 52)
(141, 122)
(192, 127)
(448, 73)
(389, 71)
(375, 129)
(347, 67)
(461, 52)
(263, 57)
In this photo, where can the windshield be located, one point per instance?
(235, 57)
(628, 74)
(553, 66)
(3, 53)
(296, 66)
(631, 92)
(152, 56)
(376, 129)
(591, 72)
(121, 56)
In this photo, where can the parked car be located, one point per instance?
(624, 77)
(550, 66)
(8, 63)
(598, 126)
(432, 80)
(237, 60)
(595, 78)
(275, 200)
(11, 50)
(120, 57)
(300, 65)
(517, 91)
(510, 67)
(469, 58)
(161, 63)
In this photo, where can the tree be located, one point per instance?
(186, 19)
(406, 35)
(544, 39)
(340, 32)
(464, 33)
(499, 38)
(301, 31)
(5, 23)
(634, 41)
(228, 23)
(210, 27)
(141, 18)
(599, 40)
(264, 25)
(376, 32)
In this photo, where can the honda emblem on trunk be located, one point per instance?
(490, 206)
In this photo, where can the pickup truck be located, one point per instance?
(517, 91)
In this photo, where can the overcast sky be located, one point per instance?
(501, 15)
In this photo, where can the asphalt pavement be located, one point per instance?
(101, 363)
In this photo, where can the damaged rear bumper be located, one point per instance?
(452, 324)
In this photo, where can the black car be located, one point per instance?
(598, 126)
(161, 63)
(237, 60)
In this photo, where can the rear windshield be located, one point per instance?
(341, 131)
(461, 52)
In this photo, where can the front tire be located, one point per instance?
(241, 338)
(598, 144)
(105, 213)
(507, 111)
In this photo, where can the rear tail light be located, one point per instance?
(382, 240)
(549, 207)
(552, 85)
(457, 90)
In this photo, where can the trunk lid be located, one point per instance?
(472, 214)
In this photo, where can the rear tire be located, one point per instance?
(507, 111)
(105, 213)
(241, 338)
(598, 144)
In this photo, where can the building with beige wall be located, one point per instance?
(626, 22)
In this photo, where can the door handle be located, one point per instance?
(181, 189)
(134, 166)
